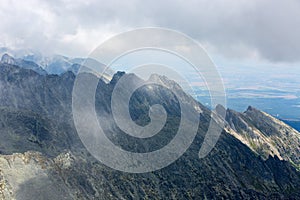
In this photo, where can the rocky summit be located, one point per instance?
(42, 157)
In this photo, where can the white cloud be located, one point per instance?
(259, 29)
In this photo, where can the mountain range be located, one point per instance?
(51, 64)
(42, 156)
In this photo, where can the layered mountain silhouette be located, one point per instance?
(6, 58)
(51, 64)
(42, 157)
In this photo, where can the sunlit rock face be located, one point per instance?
(265, 134)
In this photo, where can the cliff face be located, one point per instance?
(265, 134)
(43, 158)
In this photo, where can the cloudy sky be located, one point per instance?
(261, 30)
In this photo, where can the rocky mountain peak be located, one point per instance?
(250, 108)
(7, 59)
(116, 77)
(165, 81)
(265, 135)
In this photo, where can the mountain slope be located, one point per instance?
(231, 170)
(265, 134)
(22, 131)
